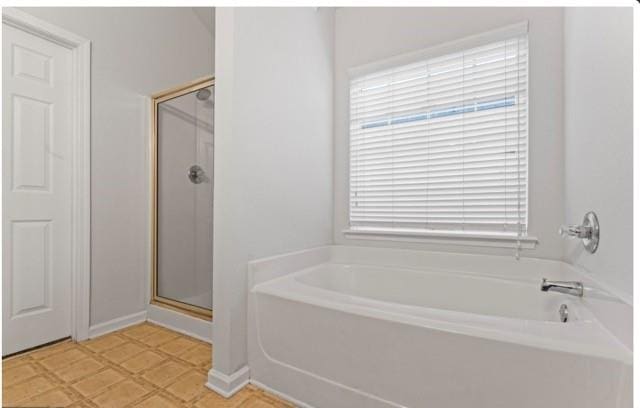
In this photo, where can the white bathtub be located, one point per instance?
(338, 332)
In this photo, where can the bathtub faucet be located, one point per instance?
(569, 287)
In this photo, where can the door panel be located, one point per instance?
(31, 121)
(30, 270)
(36, 277)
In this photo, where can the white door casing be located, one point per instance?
(45, 183)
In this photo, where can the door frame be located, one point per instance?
(81, 159)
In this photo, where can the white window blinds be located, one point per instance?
(441, 144)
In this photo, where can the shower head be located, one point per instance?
(203, 94)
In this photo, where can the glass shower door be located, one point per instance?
(184, 199)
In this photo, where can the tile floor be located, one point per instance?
(141, 366)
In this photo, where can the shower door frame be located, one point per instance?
(156, 99)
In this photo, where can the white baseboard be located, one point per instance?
(180, 322)
(282, 395)
(117, 324)
(227, 385)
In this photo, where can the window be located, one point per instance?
(439, 146)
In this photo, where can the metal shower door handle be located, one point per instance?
(195, 174)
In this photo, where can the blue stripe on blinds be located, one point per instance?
(442, 112)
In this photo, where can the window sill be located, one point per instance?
(495, 240)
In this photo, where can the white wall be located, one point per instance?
(273, 152)
(365, 35)
(135, 52)
(599, 139)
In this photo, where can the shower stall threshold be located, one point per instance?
(179, 321)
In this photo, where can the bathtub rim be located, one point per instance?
(580, 311)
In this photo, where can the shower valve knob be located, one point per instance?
(588, 231)
(195, 174)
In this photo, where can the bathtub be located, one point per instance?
(343, 327)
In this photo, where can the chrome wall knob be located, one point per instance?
(195, 174)
(588, 231)
(578, 231)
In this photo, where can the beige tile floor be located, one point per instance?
(141, 366)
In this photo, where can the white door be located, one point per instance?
(36, 190)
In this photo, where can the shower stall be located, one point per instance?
(182, 198)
